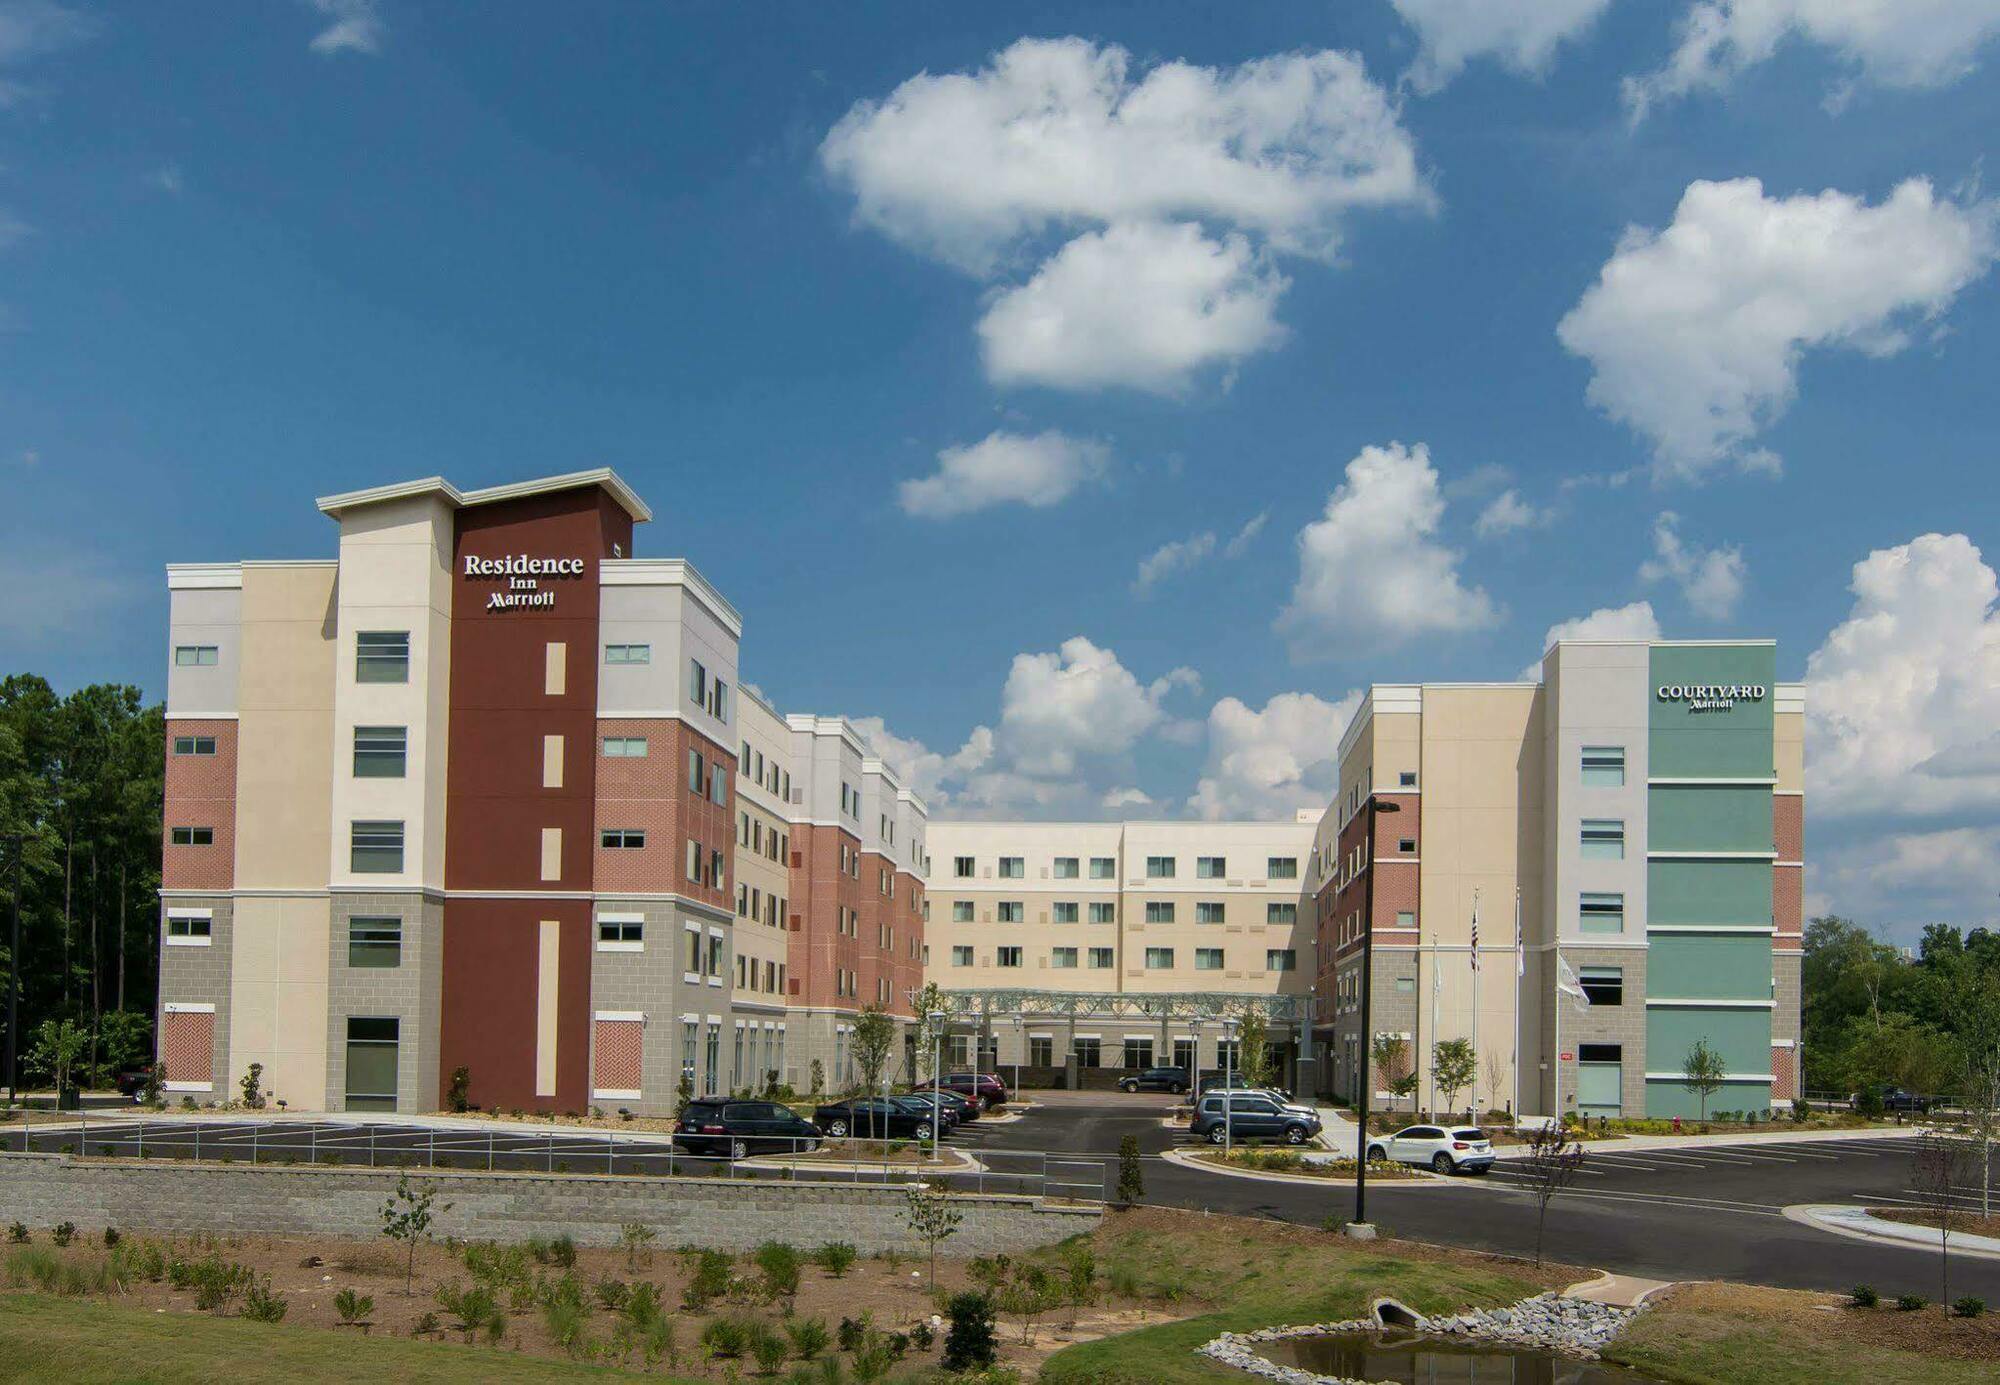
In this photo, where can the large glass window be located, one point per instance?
(1210, 867)
(1281, 913)
(1282, 867)
(1159, 911)
(381, 752)
(1601, 913)
(372, 1048)
(1103, 867)
(1086, 1052)
(1104, 913)
(1159, 867)
(1208, 911)
(374, 942)
(1603, 840)
(1066, 867)
(382, 656)
(1159, 959)
(1603, 985)
(1604, 766)
(1208, 959)
(375, 848)
(1138, 1051)
(1041, 1052)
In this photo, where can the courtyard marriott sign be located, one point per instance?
(1711, 697)
(522, 573)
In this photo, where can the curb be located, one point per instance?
(1188, 1161)
(1858, 1224)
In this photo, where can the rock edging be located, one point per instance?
(1548, 1322)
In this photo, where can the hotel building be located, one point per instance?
(485, 792)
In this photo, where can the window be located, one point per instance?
(1407, 846)
(1159, 911)
(1104, 913)
(620, 933)
(961, 911)
(1086, 1052)
(628, 654)
(374, 942)
(1064, 911)
(1006, 956)
(1063, 958)
(1600, 1053)
(381, 752)
(1604, 766)
(697, 683)
(382, 656)
(1208, 959)
(961, 955)
(622, 838)
(624, 747)
(1406, 985)
(1280, 959)
(1159, 959)
(1282, 867)
(194, 655)
(1159, 867)
(1602, 985)
(1281, 913)
(1012, 868)
(1066, 867)
(1601, 913)
(192, 836)
(1406, 779)
(194, 745)
(1208, 911)
(1603, 840)
(1406, 918)
(375, 848)
(1138, 1051)
(1103, 868)
(1210, 867)
(190, 930)
(1101, 958)
(961, 867)
(1012, 911)
(372, 1050)
(1041, 1052)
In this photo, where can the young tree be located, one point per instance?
(1253, 1043)
(1496, 1074)
(1940, 1164)
(928, 1212)
(1975, 1019)
(1391, 1054)
(874, 1035)
(407, 1217)
(1453, 1067)
(1551, 1164)
(1702, 1072)
(1131, 1177)
(59, 1046)
(683, 1093)
(930, 1001)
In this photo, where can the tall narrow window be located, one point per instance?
(381, 752)
(372, 1052)
(382, 656)
(1604, 766)
(697, 683)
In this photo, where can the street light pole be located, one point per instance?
(20, 841)
(1228, 1081)
(1020, 1028)
(1360, 1227)
(937, 1019)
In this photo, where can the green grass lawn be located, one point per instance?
(85, 1342)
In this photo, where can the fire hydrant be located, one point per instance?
(1677, 1125)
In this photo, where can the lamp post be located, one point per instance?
(1228, 1102)
(936, 1019)
(1020, 1026)
(1195, 1022)
(20, 841)
(1359, 1227)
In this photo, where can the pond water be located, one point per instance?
(1412, 1360)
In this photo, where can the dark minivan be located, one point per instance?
(742, 1128)
(1155, 1080)
(983, 1087)
(1250, 1116)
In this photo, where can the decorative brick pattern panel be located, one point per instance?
(618, 1049)
(200, 792)
(187, 1046)
(652, 793)
(1784, 1074)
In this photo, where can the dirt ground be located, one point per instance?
(1832, 1316)
(1970, 1223)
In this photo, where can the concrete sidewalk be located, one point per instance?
(1339, 1133)
(1845, 1219)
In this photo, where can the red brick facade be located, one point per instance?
(652, 793)
(1396, 883)
(1788, 913)
(819, 955)
(201, 792)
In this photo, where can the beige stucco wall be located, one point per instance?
(1788, 746)
(278, 997)
(285, 726)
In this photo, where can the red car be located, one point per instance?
(983, 1087)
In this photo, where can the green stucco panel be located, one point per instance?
(1709, 892)
(1708, 966)
(1684, 743)
(1708, 818)
(1666, 1099)
(1741, 1036)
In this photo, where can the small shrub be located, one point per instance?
(1971, 1306)
(969, 1343)
(560, 1251)
(768, 1346)
(568, 1325)
(1131, 1177)
(63, 1232)
(1910, 1303)
(778, 1264)
(426, 1325)
(352, 1307)
(922, 1337)
(809, 1337)
(709, 1282)
(836, 1258)
(457, 1090)
(613, 1293)
(17, 1234)
(110, 1237)
(726, 1338)
(636, 1239)
(852, 1330)
(1863, 1296)
(474, 1307)
(262, 1305)
(252, 1084)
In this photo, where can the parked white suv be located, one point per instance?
(1447, 1149)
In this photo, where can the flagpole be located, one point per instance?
(1476, 1050)
(1558, 1055)
(1437, 981)
(1520, 976)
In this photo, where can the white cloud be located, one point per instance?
(1710, 578)
(1117, 800)
(1505, 513)
(1903, 697)
(1005, 468)
(1169, 558)
(169, 179)
(1142, 304)
(356, 27)
(1695, 333)
(1246, 536)
(1889, 43)
(1520, 34)
(1633, 622)
(1897, 881)
(1273, 762)
(1371, 571)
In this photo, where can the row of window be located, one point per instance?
(1106, 867)
(1157, 911)
(1157, 958)
(766, 775)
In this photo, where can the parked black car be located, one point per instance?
(1251, 1116)
(742, 1128)
(872, 1118)
(958, 1110)
(1895, 1099)
(920, 1106)
(989, 1091)
(132, 1081)
(1155, 1080)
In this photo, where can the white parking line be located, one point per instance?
(1624, 1161)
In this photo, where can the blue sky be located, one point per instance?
(924, 330)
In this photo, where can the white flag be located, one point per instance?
(1520, 943)
(1567, 983)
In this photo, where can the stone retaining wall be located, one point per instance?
(161, 1196)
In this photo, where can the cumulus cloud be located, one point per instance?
(1371, 570)
(1521, 35)
(1169, 558)
(1633, 622)
(1507, 512)
(1888, 43)
(1694, 334)
(1118, 800)
(1271, 763)
(1247, 535)
(1903, 697)
(1710, 578)
(1005, 469)
(354, 26)
(1145, 305)
(1145, 201)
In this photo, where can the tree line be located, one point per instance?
(81, 787)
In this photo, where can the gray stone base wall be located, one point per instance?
(200, 976)
(1624, 1025)
(182, 1199)
(409, 992)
